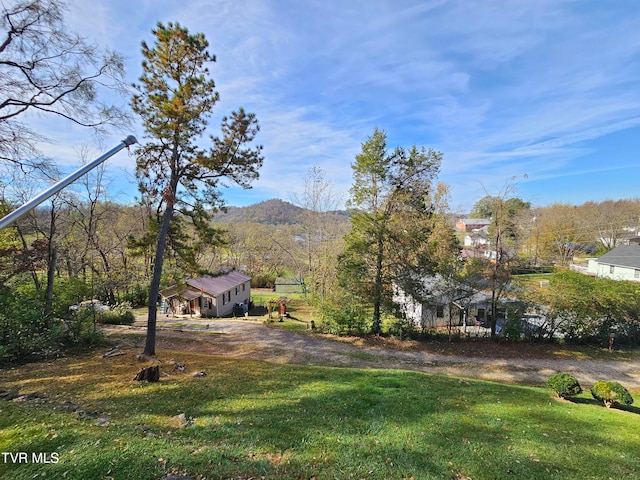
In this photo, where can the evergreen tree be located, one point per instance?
(175, 98)
(389, 242)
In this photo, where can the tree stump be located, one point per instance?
(149, 374)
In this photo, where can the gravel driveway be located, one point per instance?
(254, 340)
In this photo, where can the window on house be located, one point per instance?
(226, 297)
(440, 311)
(636, 273)
(243, 286)
(611, 268)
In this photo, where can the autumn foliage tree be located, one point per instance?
(504, 238)
(175, 98)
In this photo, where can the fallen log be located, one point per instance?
(114, 353)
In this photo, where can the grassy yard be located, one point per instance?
(301, 313)
(249, 419)
(532, 280)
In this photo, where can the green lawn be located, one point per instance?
(249, 419)
(532, 280)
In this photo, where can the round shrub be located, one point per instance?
(564, 384)
(611, 393)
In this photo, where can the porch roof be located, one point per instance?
(182, 292)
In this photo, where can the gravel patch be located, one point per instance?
(255, 340)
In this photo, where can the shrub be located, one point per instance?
(512, 329)
(24, 333)
(82, 329)
(402, 328)
(611, 393)
(120, 315)
(564, 384)
(4, 354)
(115, 318)
(347, 319)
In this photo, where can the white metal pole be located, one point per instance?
(34, 202)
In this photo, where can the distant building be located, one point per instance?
(472, 224)
(289, 285)
(445, 305)
(478, 238)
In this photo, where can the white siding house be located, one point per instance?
(621, 263)
(209, 296)
(444, 305)
(477, 238)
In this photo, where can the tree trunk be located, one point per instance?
(376, 327)
(154, 290)
(494, 310)
(52, 255)
(32, 271)
(48, 294)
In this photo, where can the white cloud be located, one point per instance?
(502, 88)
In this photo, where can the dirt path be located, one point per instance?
(254, 340)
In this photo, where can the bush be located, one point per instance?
(346, 319)
(115, 318)
(564, 384)
(611, 393)
(402, 328)
(82, 329)
(120, 315)
(512, 329)
(24, 333)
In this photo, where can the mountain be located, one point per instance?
(270, 212)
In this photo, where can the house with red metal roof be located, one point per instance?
(209, 295)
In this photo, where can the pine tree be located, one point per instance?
(175, 98)
(392, 221)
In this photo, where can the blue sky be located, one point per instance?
(547, 90)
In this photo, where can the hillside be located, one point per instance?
(270, 212)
